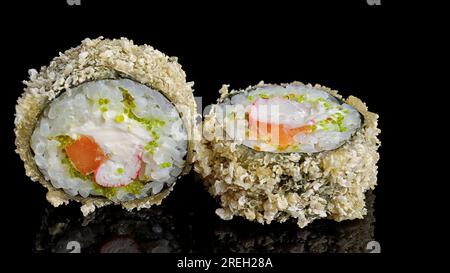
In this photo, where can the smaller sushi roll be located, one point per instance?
(288, 151)
(107, 122)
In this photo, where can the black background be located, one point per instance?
(353, 47)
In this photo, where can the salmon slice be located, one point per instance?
(278, 134)
(85, 155)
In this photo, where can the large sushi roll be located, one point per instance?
(106, 122)
(274, 152)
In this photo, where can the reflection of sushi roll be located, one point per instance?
(108, 230)
(318, 237)
(107, 121)
(273, 152)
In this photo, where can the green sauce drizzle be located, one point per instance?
(134, 187)
(165, 165)
(151, 124)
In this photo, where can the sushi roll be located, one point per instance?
(106, 122)
(275, 152)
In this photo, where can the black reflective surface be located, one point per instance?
(184, 225)
(354, 49)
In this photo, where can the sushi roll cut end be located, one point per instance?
(289, 119)
(113, 138)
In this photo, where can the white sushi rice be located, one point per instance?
(82, 111)
(316, 105)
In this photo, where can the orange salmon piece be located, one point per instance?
(279, 134)
(85, 155)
